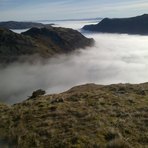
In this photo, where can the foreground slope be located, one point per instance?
(114, 116)
(133, 25)
(45, 42)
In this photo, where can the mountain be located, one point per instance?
(21, 25)
(64, 40)
(113, 116)
(133, 25)
(44, 42)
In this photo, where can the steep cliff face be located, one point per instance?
(134, 25)
(84, 116)
(44, 42)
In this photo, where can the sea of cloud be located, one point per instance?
(115, 58)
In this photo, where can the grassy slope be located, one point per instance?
(85, 116)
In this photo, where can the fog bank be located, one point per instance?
(114, 59)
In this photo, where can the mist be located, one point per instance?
(115, 58)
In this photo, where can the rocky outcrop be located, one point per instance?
(37, 93)
(44, 42)
(85, 116)
(133, 25)
(21, 25)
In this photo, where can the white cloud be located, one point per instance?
(114, 59)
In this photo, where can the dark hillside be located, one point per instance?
(44, 42)
(133, 25)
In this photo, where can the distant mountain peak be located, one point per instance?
(21, 25)
(132, 25)
(145, 15)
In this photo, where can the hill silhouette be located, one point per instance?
(21, 25)
(133, 25)
(45, 42)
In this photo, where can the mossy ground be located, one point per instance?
(87, 116)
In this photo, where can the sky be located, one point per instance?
(69, 9)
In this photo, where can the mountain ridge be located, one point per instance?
(133, 25)
(45, 42)
(22, 25)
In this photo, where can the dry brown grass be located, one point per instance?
(114, 116)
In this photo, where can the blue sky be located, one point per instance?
(66, 9)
